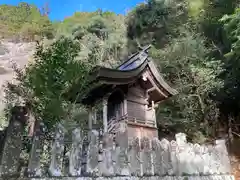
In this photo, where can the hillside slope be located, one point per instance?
(11, 53)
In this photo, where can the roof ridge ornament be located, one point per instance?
(145, 48)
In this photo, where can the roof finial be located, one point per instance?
(144, 48)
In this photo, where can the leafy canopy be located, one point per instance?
(24, 22)
(44, 82)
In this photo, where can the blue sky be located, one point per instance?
(64, 8)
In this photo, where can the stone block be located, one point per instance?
(134, 158)
(75, 153)
(146, 156)
(161, 156)
(55, 168)
(106, 164)
(93, 153)
(121, 165)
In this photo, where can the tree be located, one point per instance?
(26, 19)
(209, 24)
(155, 22)
(228, 96)
(185, 64)
(102, 36)
(42, 85)
(58, 72)
(185, 61)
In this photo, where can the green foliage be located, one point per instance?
(210, 25)
(58, 70)
(228, 96)
(102, 37)
(24, 21)
(231, 26)
(195, 8)
(196, 52)
(185, 61)
(155, 21)
(44, 82)
(193, 74)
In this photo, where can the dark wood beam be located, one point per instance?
(151, 89)
(155, 86)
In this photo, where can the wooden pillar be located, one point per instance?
(105, 121)
(125, 106)
(90, 119)
(154, 114)
(94, 116)
(146, 113)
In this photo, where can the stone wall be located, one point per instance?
(108, 156)
(223, 177)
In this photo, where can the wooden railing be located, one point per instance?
(141, 121)
(112, 123)
(148, 119)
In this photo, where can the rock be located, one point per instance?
(11, 53)
(3, 50)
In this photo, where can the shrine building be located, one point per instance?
(127, 95)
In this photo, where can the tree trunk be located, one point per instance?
(230, 134)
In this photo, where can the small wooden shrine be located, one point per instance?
(127, 95)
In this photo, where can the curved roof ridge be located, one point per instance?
(134, 57)
(160, 79)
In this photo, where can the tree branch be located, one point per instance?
(236, 134)
(200, 102)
